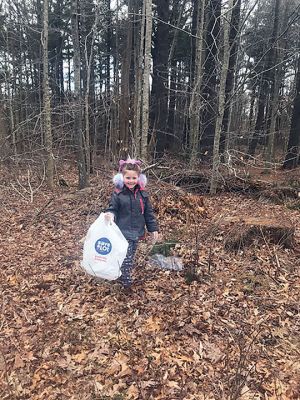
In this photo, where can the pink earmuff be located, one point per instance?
(119, 181)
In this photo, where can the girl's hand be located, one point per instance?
(109, 217)
(154, 237)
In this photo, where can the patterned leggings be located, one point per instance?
(126, 267)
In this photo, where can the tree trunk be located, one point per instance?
(194, 109)
(277, 78)
(234, 45)
(172, 99)
(209, 91)
(139, 56)
(108, 47)
(108, 126)
(252, 107)
(125, 103)
(146, 77)
(292, 156)
(116, 109)
(4, 147)
(221, 101)
(10, 105)
(46, 101)
(182, 109)
(274, 101)
(69, 57)
(89, 62)
(266, 78)
(177, 11)
(159, 93)
(83, 174)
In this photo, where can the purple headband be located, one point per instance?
(132, 161)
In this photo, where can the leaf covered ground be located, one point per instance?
(227, 327)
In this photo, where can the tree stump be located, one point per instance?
(244, 231)
(279, 195)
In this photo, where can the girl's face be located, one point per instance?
(130, 178)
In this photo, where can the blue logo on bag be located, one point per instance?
(103, 246)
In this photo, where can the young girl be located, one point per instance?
(131, 210)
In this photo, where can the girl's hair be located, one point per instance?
(130, 165)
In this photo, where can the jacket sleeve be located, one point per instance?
(150, 219)
(114, 205)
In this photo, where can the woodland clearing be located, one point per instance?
(227, 327)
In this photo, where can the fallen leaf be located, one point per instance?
(79, 357)
(19, 363)
(152, 324)
(133, 392)
(212, 352)
(173, 384)
(147, 384)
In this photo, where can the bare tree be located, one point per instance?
(265, 79)
(4, 147)
(292, 156)
(89, 58)
(125, 100)
(277, 76)
(194, 108)
(159, 92)
(210, 77)
(83, 173)
(138, 89)
(230, 79)
(146, 79)
(46, 100)
(221, 101)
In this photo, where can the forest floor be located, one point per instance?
(226, 327)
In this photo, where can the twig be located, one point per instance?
(151, 166)
(42, 209)
(277, 260)
(209, 260)
(30, 187)
(31, 191)
(239, 379)
(21, 194)
(38, 213)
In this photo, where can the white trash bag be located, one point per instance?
(104, 250)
